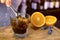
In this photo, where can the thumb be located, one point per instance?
(8, 3)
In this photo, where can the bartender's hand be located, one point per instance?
(7, 2)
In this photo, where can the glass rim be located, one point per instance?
(26, 16)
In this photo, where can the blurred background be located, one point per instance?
(47, 7)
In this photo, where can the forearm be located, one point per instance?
(24, 6)
(23, 9)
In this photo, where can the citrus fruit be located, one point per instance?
(37, 19)
(50, 20)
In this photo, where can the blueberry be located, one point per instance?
(43, 28)
(50, 32)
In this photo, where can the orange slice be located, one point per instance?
(37, 19)
(50, 20)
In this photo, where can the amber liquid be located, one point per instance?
(18, 26)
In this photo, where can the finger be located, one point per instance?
(3, 1)
(8, 3)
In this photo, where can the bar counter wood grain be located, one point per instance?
(6, 33)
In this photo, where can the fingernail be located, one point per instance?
(8, 5)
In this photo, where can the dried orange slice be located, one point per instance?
(50, 20)
(37, 19)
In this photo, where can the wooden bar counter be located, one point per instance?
(6, 33)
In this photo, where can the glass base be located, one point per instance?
(20, 35)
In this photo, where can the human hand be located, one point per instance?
(7, 2)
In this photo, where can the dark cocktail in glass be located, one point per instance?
(20, 25)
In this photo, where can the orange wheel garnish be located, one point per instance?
(50, 20)
(37, 19)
